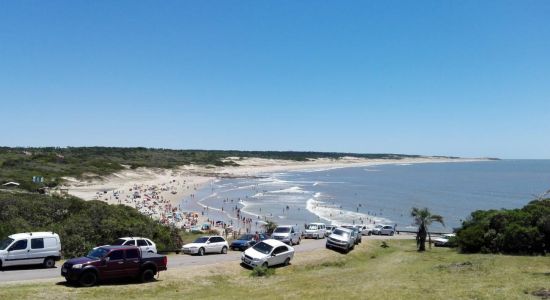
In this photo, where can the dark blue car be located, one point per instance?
(246, 241)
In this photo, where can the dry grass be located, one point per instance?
(369, 272)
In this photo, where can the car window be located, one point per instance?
(141, 243)
(281, 230)
(150, 243)
(116, 255)
(130, 243)
(217, 239)
(19, 245)
(37, 243)
(262, 247)
(201, 240)
(132, 253)
(280, 249)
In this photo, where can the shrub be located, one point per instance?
(261, 271)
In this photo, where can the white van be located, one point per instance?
(30, 248)
(288, 234)
(315, 230)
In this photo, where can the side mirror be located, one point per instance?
(106, 260)
(207, 242)
(273, 254)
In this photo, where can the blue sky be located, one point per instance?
(465, 78)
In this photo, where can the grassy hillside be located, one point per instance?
(369, 272)
(21, 164)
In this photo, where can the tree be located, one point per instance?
(423, 218)
(269, 226)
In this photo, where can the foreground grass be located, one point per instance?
(369, 272)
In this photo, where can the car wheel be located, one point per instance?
(287, 261)
(88, 279)
(290, 242)
(369, 233)
(391, 233)
(201, 251)
(147, 275)
(299, 241)
(265, 265)
(49, 262)
(224, 250)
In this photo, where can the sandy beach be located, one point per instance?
(158, 192)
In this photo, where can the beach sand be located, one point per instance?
(165, 188)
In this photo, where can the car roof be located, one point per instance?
(285, 226)
(274, 243)
(33, 234)
(211, 236)
(316, 223)
(132, 238)
(344, 229)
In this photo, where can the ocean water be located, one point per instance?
(381, 194)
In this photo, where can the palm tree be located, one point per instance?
(269, 226)
(423, 218)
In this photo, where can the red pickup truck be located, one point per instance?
(111, 262)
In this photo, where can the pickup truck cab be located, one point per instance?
(111, 262)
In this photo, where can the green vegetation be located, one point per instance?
(515, 231)
(81, 224)
(424, 218)
(21, 164)
(261, 271)
(369, 272)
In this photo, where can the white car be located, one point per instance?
(268, 253)
(145, 245)
(443, 240)
(384, 230)
(315, 230)
(31, 248)
(288, 234)
(206, 244)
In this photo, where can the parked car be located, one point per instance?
(145, 245)
(246, 241)
(111, 262)
(356, 233)
(329, 229)
(383, 230)
(268, 253)
(288, 234)
(341, 238)
(445, 240)
(363, 229)
(32, 248)
(315, 230)
(206, 244)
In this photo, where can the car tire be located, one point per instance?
(391, 233)
(49, 262)
(290, 242)
(299, 241)
(224, 250)
(265, 265)
(201, 252)
(88, 279)
(287, 261)
(147, 275)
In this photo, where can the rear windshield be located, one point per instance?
(282, 230)
(263, 248)
(5, 243)
(340, 232)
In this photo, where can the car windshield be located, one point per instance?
(119, 242)
(282, 230)
(341, 232)
(312, 227)
(97, 253)
(262, 248)
(246, 237)
(5, 243)
(201, 240)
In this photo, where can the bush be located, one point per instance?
(517, 231)
(261, 271)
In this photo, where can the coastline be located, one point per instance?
(172, 186)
